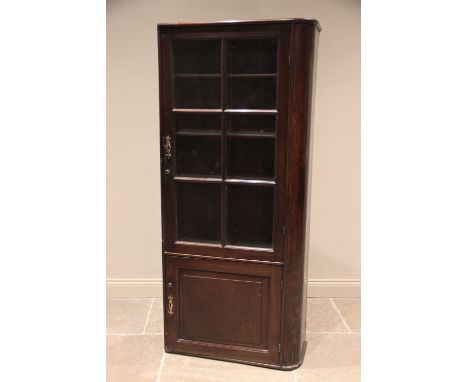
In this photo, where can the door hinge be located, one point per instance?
(282, 285)
(279, 348)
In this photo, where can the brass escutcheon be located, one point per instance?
(170, 305)
(167, 146)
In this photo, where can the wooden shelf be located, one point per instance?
(206, 179)
(251, 134)
(176, 110)
(199, 133)
(229, 111)
(197, 179)
(194, 75)
(251, 75)
(264, 182)
(251, 111)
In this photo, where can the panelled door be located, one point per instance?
(224, 131)
(223, 309)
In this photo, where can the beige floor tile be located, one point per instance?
(133, 358)
(323, 317)
(348, 374)
(331, 358)
(192, 369)
(155, 322)
(127, 315)
(350, 309)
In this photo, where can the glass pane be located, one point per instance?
(251, 157)
(197, 122)
(198, 155)
(251, 124)
(197, 92)
(251, 93)
(250, 215)
(198, 212)
(197, 57)
(252, 56)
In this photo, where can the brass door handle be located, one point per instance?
(170, 305)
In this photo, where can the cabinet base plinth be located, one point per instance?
(266, 365)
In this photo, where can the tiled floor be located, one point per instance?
(135, 347)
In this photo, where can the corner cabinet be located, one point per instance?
(235, 109)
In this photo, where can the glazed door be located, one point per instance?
(223, 141)
(223, 309)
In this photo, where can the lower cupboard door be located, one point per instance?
(223, 309)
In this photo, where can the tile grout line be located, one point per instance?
(134, 334)
(148, 316)
(331, 332)
(158, 377)
(339, 313)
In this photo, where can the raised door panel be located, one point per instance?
(223, 309)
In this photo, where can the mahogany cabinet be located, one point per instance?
(235, 109)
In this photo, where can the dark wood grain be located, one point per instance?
(246, 22)
(223, 309)
(281, 33)
(237, 286)
(303, 37)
